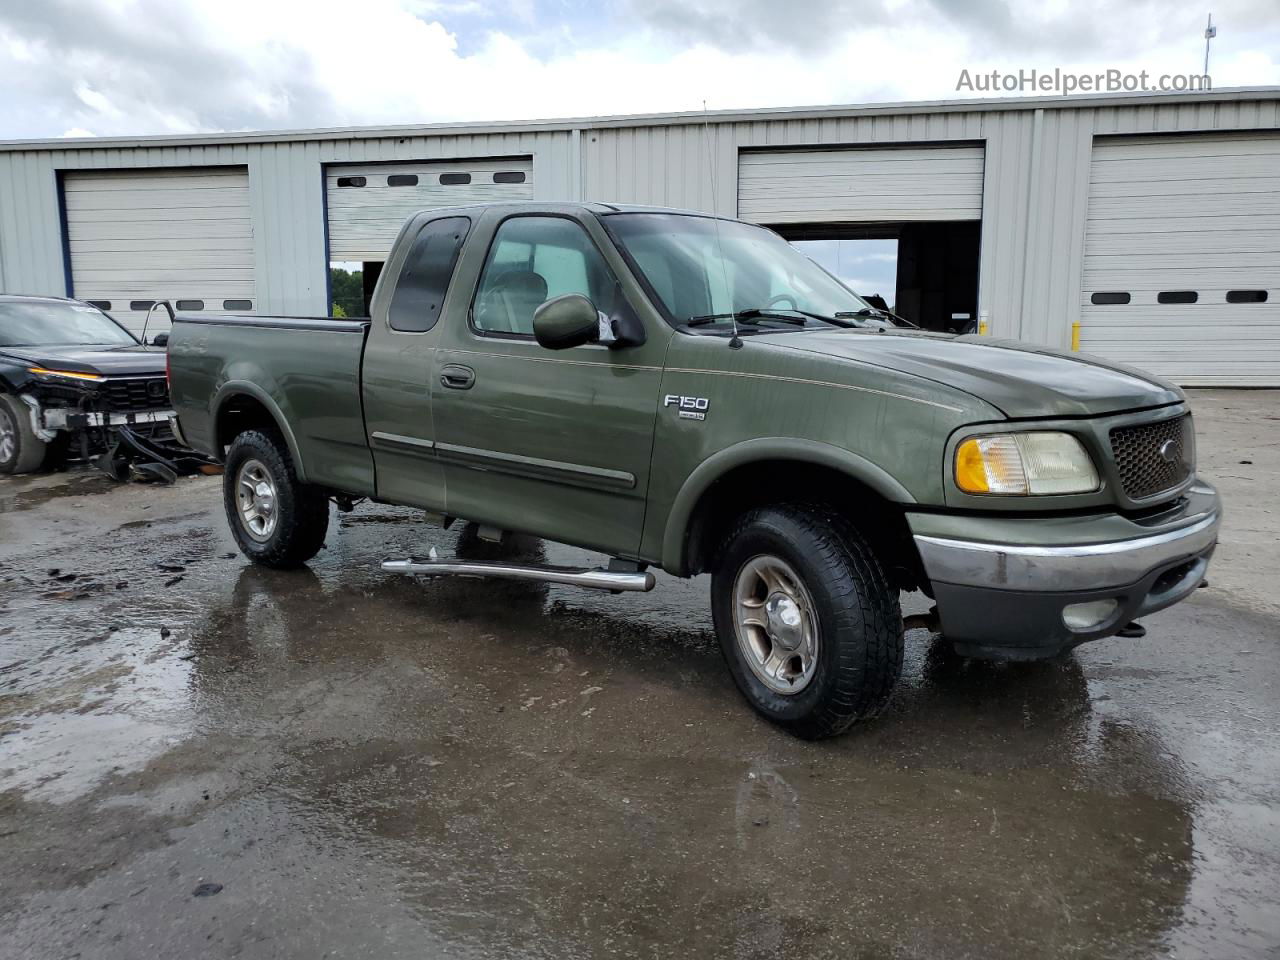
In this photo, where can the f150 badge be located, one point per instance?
(689, 408)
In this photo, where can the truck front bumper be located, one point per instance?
(1015, 588)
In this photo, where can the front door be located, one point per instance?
(554, 443)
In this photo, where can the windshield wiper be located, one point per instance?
(838, 320)
(877, 313)
(750, 315)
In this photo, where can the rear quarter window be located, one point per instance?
(424, 279)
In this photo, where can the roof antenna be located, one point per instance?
(1210, 31)
(735, 341)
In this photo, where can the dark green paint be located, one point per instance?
(579, 446)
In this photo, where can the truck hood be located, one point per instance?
(1022, 380)
(109, 361)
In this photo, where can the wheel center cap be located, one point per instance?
(263, 494)
(786, 626)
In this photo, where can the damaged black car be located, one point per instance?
(71, 378)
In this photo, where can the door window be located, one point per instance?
(532, 260)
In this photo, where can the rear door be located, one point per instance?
(556, 443)
(399, 360)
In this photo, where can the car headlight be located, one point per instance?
(60, 375)
(1035, 463)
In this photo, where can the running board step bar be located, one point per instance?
(597, 579)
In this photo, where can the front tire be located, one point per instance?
(277, 520)
(807, 622)
(21, 451)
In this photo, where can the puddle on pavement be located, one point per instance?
(26, 493)
(525, 769)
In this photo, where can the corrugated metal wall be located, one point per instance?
(286, 197)
(1035, 192)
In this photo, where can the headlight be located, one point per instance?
(1024, 464)
(56, 375)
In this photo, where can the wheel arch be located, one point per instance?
(241, 405)
(13, 376)
(761, 471)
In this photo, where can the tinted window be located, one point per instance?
(237, 304)
(454, 179)
(141, 304)
(1101, 299)
(509, 176)
(1177, 296)
(100, 304)
(424, 279)
(189, 305)
(533, 259)
(1246, 296)
(351, 181)
(402, 180)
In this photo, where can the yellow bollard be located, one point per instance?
(1075, 336)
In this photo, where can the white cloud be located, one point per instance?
(143, 66)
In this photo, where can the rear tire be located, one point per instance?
(277, 520)
(21, 451)
(807, 622)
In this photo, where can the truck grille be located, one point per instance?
(126, 394)
(1154, 457)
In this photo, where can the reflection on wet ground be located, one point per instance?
(372, 765)
(26, 493)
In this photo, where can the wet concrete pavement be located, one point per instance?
(372, 766)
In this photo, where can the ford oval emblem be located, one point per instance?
(1169, 451)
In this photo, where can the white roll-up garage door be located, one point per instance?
(181, 235)
(861, 185)
(368, 203)
(1182, 257)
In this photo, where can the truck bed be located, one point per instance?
(304, 370)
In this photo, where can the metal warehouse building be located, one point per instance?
(1145, 228)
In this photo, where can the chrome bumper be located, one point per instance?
(1088, 566)
(1003, 599)
(175, 427)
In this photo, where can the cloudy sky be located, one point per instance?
(107, 67)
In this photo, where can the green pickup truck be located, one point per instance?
(691, 393)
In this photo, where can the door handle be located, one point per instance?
(457, 377)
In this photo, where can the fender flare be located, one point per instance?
(235, 387)
(675, 534)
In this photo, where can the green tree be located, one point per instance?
(346, 289)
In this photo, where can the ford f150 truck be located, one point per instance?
(687, 392)
(70, 377)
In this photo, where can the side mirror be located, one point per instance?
(160, 340)
(567, 321)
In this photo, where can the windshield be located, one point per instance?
(680, 257)
(25, 323)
